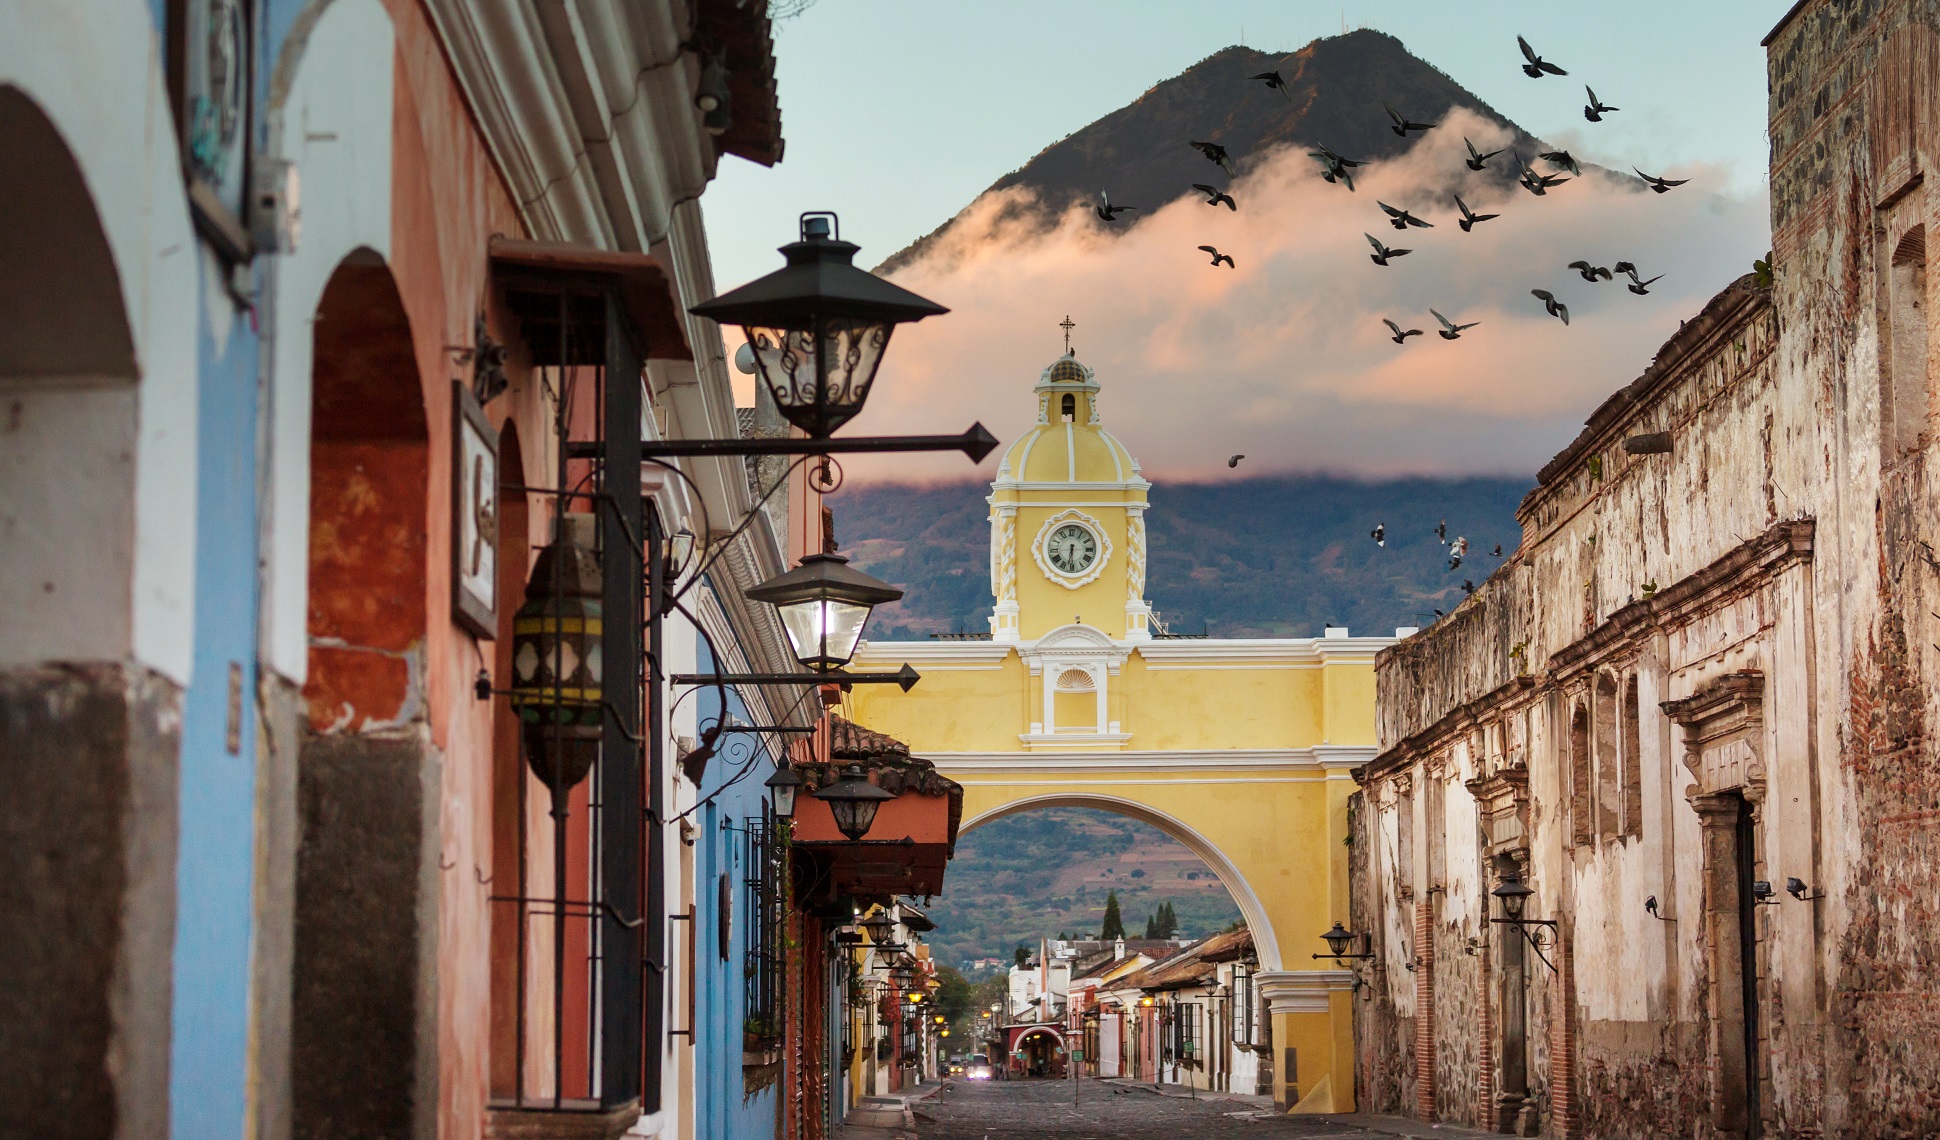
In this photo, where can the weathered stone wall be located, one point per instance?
(87, 848)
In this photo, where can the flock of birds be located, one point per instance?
(1338, 169)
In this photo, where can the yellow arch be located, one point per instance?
(1266, 941)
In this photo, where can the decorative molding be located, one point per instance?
(1090, 523)
(1724, 734)
(1301, 991)
(1314, 759)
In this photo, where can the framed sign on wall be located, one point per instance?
(212, 49)
(474, 515)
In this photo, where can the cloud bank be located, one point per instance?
(1285, 358)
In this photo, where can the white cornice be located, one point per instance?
(1317, 759)
(1261, 652)
(586, 109)
(932, 654)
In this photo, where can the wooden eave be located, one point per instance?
(644, 284)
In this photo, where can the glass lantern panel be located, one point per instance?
(819, 399)
(824, 633)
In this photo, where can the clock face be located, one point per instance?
(1071, 549)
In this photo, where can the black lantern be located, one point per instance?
(879, 927)
(824, 604)
(1338, 939)
(818, 326)
(556, 658)
(853, 800)
(1514, 893)
(782, 787)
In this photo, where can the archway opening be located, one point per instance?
(1062, 908)
(365, 776)
(87, 829)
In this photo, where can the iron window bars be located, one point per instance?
(765, 969)
(587, 976)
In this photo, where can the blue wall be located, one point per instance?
(216, 853)
(723, 1111)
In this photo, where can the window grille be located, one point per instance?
(1185, 1033)
(1243, 1013)
(763, 869)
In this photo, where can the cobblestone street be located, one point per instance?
(1034, 1110)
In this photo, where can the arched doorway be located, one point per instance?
(1039, 1052)
(87, 829)
(366, 774)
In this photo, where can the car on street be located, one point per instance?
(978, 1069)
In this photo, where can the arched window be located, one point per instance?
(1633, 778)
(1903, 404)
(1070, 407)
(1609, 765)
(1578, 759)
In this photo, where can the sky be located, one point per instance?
(898, 114)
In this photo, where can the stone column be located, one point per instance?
(1313, 1027)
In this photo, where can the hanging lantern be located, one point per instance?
(853, 801)
(782, 787)
(818, 326)
(824, 604)
(556, 658)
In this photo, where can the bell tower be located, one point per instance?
(1067, 520)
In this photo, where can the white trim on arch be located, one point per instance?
(91, 67)
(1265, 941)
(333, 121)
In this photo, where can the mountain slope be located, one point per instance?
(1336, 86)
(1261, 557)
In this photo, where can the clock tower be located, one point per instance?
(1067, 521)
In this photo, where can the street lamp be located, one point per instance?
(556, 674)
(1338, 940)
(818, 326)
(782, 788)
(853, 801)
(824, 604)
(1514, 893)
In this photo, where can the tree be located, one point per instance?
(1114, 923)
(1151, 926)
(1166, 921)
(1021, 955)
(954, 997)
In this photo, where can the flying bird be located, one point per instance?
(1441, 528)
(1454, 561)
(1402, 219)
(1660, 185)
(1379, 534)
(1536, 66)
(1401, 335)
(1556, 308)
(1591, 273)
(1470, 217)
(1107, 211)
(1497, 552)
(1561, 160)
(1334, 167)
(1642, 288)
(1478, 159)
(1234, 461)
(1402, 125)
(1218, 257)
(1215, 154)
(1215, 196)
(1460, 546)
(1272, 79)
(1538, 184)
(1381, 252)
(1450, 330)
(1468, 587)
(1596, 109)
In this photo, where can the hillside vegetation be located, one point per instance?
(1048, 872)
(1262, 557)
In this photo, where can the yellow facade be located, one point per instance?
(1240, 748)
